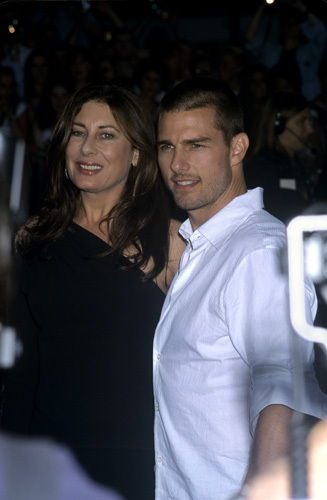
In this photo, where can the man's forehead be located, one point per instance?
(198, 118)
(208, 110)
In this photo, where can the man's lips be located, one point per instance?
(185, 183)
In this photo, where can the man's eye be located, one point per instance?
(165, 147)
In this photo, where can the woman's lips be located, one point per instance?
(89, 168)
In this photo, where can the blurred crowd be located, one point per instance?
(60, 46)
(277, 65)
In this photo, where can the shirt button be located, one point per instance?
(157, 407)
(158, 356)
(159, 460)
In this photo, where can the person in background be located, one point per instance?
(36, 75)
(49, 112)
(105, 68)
(223, 362)
(97, 262)
(297, 54)
(36, 86)
(282, 160)
(11, 128)
(11, 106)
(232, 65)
(80, 66)
(150, 83)
(126, 56)
(46, 116)
(254, 95)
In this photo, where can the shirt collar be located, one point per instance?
(227, 219)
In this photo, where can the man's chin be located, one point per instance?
(183, 205)
(183, 202)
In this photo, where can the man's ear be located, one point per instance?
(239, 147)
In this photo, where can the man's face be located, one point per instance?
(195, 161)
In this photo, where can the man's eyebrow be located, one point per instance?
(186, 141)
(163, 141)
(196, 139)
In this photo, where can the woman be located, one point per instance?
(98, 261)
(281, 159)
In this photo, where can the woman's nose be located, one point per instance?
(88, 145)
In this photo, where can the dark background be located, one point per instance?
(135, 11)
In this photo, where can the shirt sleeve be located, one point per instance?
(258, 317)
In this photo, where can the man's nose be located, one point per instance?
(179, 162)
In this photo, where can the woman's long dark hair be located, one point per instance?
(140, 220)
(281, 106)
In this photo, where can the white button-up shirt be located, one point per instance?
(223, 352)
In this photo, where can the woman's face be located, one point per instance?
(98, 155)
(297, 132)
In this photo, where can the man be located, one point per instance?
(223, 365)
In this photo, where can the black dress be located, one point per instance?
(85, 377)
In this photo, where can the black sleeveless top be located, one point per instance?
(86, 371)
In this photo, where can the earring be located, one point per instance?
(66, 173)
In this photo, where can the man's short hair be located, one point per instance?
(207, 92)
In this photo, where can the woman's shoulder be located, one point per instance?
(176, 247)
(174, 235)
(174, 226)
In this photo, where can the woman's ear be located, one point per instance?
(239, 147)
(135, 157)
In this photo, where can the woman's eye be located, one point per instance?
(77, 133)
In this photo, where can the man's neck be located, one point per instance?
(200, 216)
